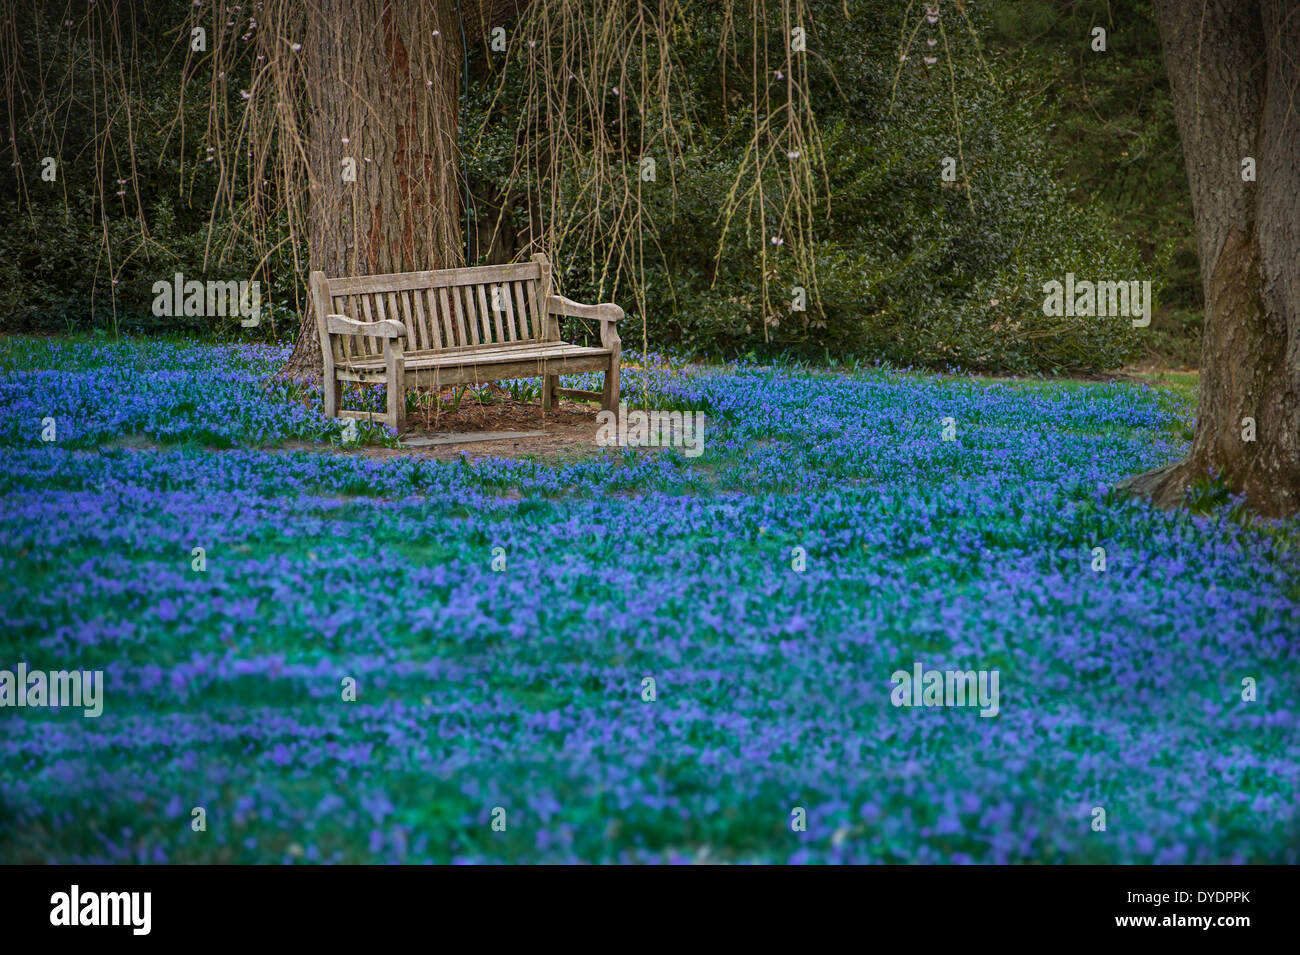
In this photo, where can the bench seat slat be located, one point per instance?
(444, 375)
(484, 355)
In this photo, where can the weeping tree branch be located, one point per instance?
(292, 88)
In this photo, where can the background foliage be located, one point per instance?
(1112, 123)
(1071, 158)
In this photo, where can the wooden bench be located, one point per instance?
(453, 327)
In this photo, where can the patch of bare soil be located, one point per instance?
(569, 432)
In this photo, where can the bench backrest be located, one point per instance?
(441, 309)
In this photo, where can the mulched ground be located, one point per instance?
(570, 431)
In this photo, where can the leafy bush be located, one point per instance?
(909, 268)
(74, 255)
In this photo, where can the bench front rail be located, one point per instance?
(453, 327)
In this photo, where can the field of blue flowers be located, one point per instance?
(523, 689)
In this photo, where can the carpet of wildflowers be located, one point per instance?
(522, 688)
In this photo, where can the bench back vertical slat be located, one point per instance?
(475, 292)
(380, 311)
(450, 333)
(399, 307)
(338, 304)
(447, 312)
(465, 294)
(394, 310)
(381, 314)
(427, 314)
(531, 293)
(414, 307)
(491, 317)
(362, 342)
(446, 316)
(517, 292)
(441, 310)
(354, 345)
(539, 292)
(501, 299)
(347, 305)
(484, 315)
(482, 307)
(546, 285)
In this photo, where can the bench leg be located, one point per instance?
(396, 388)
(609, 396)
(550, 385)
(330, 386)
(396, 416)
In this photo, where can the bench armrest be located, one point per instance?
(342, 325)
(559, 305)
(607, 314)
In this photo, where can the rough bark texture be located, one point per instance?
(383, 81)
(1234, 70)
(385, 76)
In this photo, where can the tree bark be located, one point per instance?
(383, 81)
(1234, 72)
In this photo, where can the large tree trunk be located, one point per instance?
(383, 79)
(1234, 70)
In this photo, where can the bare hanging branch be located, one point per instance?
(293, 88)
